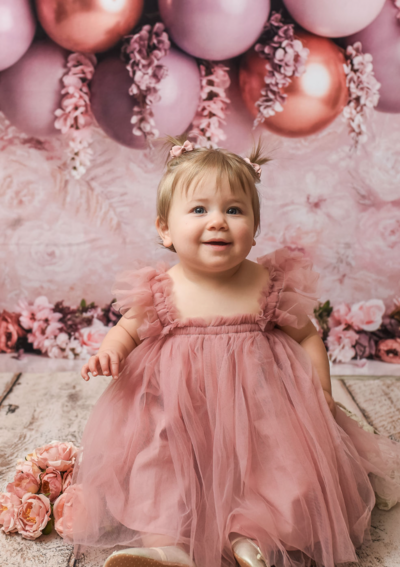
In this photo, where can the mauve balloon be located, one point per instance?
(30, 90)
(17, 28)
(382, 40)
(112, 104)
(214, 29)
(334, 18)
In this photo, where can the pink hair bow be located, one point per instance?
(176, 151)
(255, 166)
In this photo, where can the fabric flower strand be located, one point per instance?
(144, 51)
(75, 118)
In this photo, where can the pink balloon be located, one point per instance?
(334, 18)
(214, 29)
(30, 90)
(382, 40)
(112, 104)
(17, 28)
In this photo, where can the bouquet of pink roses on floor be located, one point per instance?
(33, 502)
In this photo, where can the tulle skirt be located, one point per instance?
(208, 432)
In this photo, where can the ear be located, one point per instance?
(163, 231)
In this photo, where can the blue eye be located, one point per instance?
(235, 209)
(195, 209)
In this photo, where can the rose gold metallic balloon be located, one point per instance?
(313, 100)
(89, 26)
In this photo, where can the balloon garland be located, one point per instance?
(75, 118)
(144, 51)
(207, 131)
(285, 57)
(363, 92)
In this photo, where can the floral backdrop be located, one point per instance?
(67, 238)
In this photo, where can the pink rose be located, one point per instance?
(51, 483)
(9, 504)
(67, 478)
(69, 512)
(33, 515)
(30, 467)
(340, 344)
(92, 337)
(339, 314)
(389, 350)
(55, 454)
(366, 315)
(23, 482)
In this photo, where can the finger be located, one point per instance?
(84, 372)
(114, 363)
(94, 365)
(104, 363)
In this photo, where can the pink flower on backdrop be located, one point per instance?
(33, 515)
(366, 315)
(389, 350)
(92, 337)
(379, 237)
(67, 478)
(55, 454)
(339, 315)
(51, 483)
(10, 330)
(340, 344)
(41, 318)
(9, 504)
(23, 482)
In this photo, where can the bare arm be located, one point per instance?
(312, 343)
(115, 348)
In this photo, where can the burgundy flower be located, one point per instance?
(10, 331)
(365, 346)
(389, 350)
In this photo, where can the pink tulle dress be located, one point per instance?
(222, 426)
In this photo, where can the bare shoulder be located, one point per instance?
(255, 272)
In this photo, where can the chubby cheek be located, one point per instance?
(242, 232)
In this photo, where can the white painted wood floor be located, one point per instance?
(38, 407)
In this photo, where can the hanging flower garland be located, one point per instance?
(144, 50)
(207, 131)
(363, 92)
(285, 57)
(75, 118)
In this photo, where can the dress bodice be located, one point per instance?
(288, 298)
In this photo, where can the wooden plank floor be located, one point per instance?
(40, 407)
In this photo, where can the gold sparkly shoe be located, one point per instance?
(169, 556)
(247, 553)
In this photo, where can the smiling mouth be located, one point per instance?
(217, 243)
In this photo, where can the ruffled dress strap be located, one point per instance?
(294, 288)
(134, 299)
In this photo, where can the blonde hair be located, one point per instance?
(194, 164)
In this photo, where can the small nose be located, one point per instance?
(217, 221)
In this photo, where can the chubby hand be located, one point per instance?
(106, 362)
(331, 403)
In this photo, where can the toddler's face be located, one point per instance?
(205, 214)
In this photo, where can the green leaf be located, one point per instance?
(83, 304)
(49, 527)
